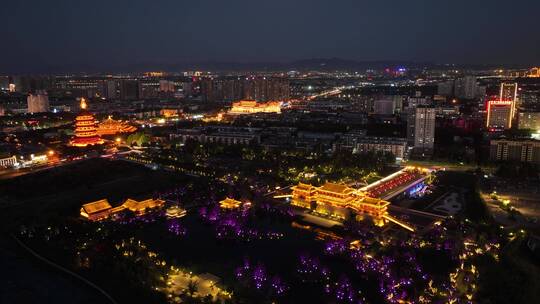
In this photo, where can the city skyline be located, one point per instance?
(300, 151)
(62, 36)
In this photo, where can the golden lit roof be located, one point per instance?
(111, 127)
(337, 188)
(305, 187)
(97, 206)
(229, 203)
(134, 205)
(374, 201)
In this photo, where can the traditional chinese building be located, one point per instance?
(252, 106)
(303, 195)
(85, 129)
(101, 209)
(175, 212)
(113, 127)
(229, 203)
(340, 201)
(97, 210)
(142, 207)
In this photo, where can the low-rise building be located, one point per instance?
(226, 136)
(397, 146)
(525, 150)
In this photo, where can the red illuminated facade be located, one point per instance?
(500, 114)
(85, 129)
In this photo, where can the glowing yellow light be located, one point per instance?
(83, 104)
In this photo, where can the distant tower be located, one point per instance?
(85, 128)
(509, 91)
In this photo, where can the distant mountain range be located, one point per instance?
(316, 64)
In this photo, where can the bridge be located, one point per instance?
(396, 183)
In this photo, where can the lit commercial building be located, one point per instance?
(167, 113)
(508, 91)
(421, 128)
(38, 103)
(252, 107)
(85, 128)
(499, 114)
(515, 150)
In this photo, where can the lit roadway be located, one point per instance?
(332, 92)
(11, 173)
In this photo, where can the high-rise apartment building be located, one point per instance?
(421, 128)
(466, 87)
(236, 88)
(129, 89)
(509, 91)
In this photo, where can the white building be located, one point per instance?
(397, 146)
(38, 103)
(8, 162)
(421, 127)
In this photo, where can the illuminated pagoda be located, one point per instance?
(85, 128)
(113, 127)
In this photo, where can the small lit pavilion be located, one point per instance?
(230, 204)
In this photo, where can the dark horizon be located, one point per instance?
(62, 36)
(312, 64)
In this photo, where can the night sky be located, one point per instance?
(47, 34)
